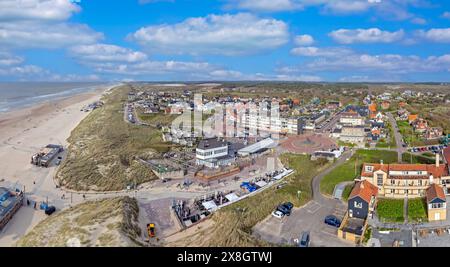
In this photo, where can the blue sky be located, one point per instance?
(202, 40)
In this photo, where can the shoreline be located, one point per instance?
(25, 131)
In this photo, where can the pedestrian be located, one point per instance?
(84, 196)
(35, 205)
(28, 202)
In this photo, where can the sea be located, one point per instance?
(17, 95)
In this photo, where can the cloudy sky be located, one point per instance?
(201, 40)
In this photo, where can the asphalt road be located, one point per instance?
(398, 137)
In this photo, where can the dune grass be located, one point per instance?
(108, 222)
(103, 148)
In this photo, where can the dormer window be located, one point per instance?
(369, 168)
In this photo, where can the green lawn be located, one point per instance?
(352, 168)
(390, 210)
(417, 210)
(347, 190)
(417, 159)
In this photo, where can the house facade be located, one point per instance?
(212, 153)
(436, 203)
(405, 180)
(362, 199)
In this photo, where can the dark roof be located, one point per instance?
(211, 143)
(435, 191)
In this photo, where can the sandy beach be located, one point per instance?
(23, 133)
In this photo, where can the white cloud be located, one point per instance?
(105, 52)
(305, 39)
(42, 24)
(267, 5)
(7, 59)
(215, 34)
(42, 35)
(372, 35)
(435, 35)
(312, 51)
(384, 63)
(12, 10)
(387, 9)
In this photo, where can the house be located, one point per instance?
(405, 180)
(351, 118)
(436, 203)
(213, 152)
(353, 134)
(446, 154)
(433, 133)
(412, 118)
(403, 115)
(362, 200)
(420, 125)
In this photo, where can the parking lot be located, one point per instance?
(433, 239)
(435, 149)
(308, 218)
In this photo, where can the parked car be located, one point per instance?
(333, 221)
(151, 230)
(285, 208)
(304, 240)
(50, 210)
(278, 214)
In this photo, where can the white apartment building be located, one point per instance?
(212, 153)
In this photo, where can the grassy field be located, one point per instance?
(352, 168)
(233, 224)
(106, 223)
(417, 210)
(103, 148)
(417, 159)
(390, 210)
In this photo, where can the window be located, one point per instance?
(437, 205)
(357, 205)
(380, 179)
(369, 168)
(392, 182)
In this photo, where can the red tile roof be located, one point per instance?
(435, 191)
(446, 153)
(437, 172)
(365, 190)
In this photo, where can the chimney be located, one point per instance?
(381, 162)
(431, 179)
(438, 161)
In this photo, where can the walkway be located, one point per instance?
(398, 137)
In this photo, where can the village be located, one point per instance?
(225, 149)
